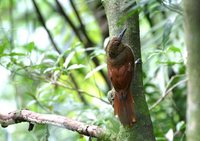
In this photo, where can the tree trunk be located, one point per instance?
(116, 11)
(192, 37)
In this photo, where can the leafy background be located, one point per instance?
(52, 60)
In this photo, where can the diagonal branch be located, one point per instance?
(167, 92)
(80, 21)
(40, 17)
(66, 17)
(50, 119)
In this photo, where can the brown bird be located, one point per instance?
(120, 63)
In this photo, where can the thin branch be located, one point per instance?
(50, 119)
(66, 17)
(148, 17)
(76, 87)
(11, 23)
(40, 17)
(81, 91)
(80, 21)
(167, 92)
(42, 106)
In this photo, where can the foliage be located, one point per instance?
(64, 78)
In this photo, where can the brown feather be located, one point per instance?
(123, 107)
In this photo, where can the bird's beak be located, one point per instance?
(120, 36)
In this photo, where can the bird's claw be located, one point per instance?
(138, 61)
(111, 96)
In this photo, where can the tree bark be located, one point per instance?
(116, 11)
(192, 38)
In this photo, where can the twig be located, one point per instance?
(167, 92)
(44, 107)
(50, 119)
(81, 91)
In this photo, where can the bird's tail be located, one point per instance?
(124, 107)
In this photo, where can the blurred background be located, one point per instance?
(52, 60)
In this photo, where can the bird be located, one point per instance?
(120, 65)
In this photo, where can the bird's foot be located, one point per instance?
(138, 61)
(111, 96)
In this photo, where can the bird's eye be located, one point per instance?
(116, 43)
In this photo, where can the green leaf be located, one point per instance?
(30, 46)
(16, 54)
(9, 65)
(51, 69)
(12, 54)
(52, 56)
(170, 63)
(68, 59)
(181, 125)
(75, 66)
(174, 49)
(94, 71)
(2, 47)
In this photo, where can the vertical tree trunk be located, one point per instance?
(116, 10)
(192, 37)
